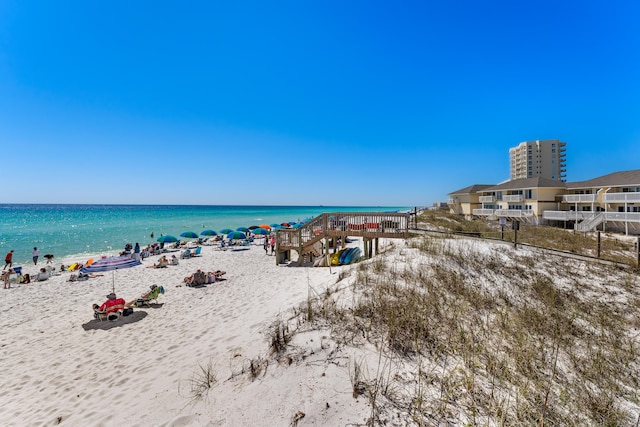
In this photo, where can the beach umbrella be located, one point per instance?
(274, 225)
(285, 224)
(226, 231)
(265, 226)
(189, 235)
(236, 235)
(111, 264)
(261, 231)
(253, 227)
(243, 229)
(208, 233)
(167, 239)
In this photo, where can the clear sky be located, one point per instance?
(307, 103)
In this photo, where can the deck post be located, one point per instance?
(377, 251)
(598, 245)
(299, 247)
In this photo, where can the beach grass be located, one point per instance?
(467, 335)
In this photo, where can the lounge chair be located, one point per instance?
(185, 254)
(196, 252)
(151, 296)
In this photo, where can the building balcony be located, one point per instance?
(579, 198)
(622, 197)
(487, 199)
(451, 201)
(514, 213)
(622, 216)
(483, 212)
(512, 198)
(566, 215)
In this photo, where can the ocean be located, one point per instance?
(68, 231)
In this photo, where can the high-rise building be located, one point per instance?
(546, 159)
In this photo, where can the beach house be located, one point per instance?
(608, 202)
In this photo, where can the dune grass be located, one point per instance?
(472, 333)
(612, 247)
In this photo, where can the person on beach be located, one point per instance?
(273, 244)
(147, 296)
(5, 278)
(136, 249)
(35, 254)
(110, 307)
(162, 263)
(8, 260)
(266, 246)
(49, 258)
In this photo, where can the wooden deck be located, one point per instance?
(369, 225)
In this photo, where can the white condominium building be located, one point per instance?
(545, 159)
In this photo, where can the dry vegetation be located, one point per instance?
(458, 332)
(613, 247)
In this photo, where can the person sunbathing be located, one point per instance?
(162, 263)
(154, 292)
(196, 279)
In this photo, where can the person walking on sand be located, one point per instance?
(266, 245)
(273, 244)
(35, 254)
(8, 260)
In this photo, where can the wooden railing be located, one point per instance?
(339, 224)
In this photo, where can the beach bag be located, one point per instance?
(127, 311)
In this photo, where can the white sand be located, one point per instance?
(55, 372)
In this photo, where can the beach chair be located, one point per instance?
(196, 252)
(107, 315)
(185, 254)
(151, 296)
(112, 313)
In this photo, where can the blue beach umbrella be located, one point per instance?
(253, 227)
(243, 229)
(236, 235)
(189, 235)
(112, 264)
(208, 233)
(274, 225)
(261, 231)
(226, 231)
(167, 239)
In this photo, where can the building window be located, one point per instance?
(527, 194)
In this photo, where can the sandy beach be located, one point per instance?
(203, 356)
(139, 373)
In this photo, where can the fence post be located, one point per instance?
(598, 245)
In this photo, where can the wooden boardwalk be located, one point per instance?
(308, 239)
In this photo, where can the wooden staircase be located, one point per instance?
(307, 240)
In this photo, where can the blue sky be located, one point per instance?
(307, 103)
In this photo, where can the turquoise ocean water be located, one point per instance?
(81, 230)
